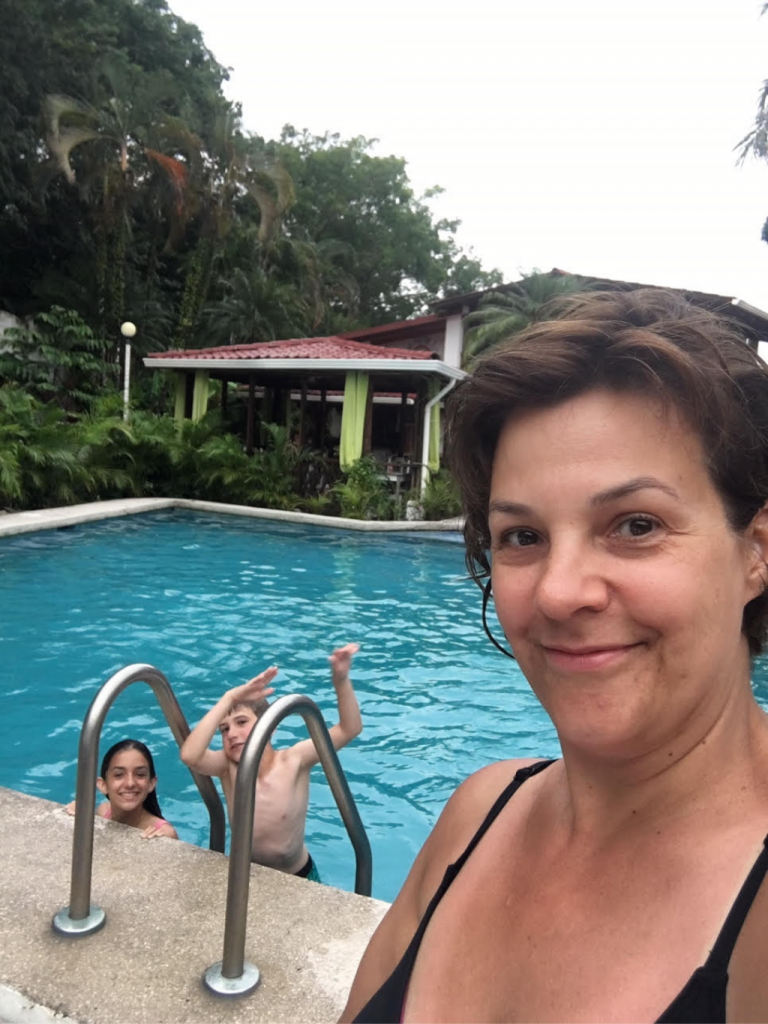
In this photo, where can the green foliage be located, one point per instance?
(42, 461)
(363, 495)
(503, 314)
(46, 460)
(129, 190)
(225, 473)
(320, 505)
(441, 497)
(58, 358)
(119, 69)
(381, 253)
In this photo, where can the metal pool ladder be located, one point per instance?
(82, 917)
(232, 975)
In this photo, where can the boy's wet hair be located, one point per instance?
(258, 707)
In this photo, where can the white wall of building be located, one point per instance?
(454, 340)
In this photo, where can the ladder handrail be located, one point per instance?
(85, 795)
(233, 961)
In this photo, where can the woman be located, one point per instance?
(614, 471)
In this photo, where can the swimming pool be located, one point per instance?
(212, 599)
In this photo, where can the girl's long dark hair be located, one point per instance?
(150, 803)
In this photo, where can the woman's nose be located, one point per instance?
(572, 580)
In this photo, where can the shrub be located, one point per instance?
(363, 495)
(441, 497)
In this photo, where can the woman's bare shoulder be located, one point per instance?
(478, 792)
(459, 820)
(463, 815)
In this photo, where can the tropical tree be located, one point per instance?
(253, 308)
(502, 314)
(227, 176)
(54, 238)
(755, 142)
(382, 255)
(116, 166)
(58, 358)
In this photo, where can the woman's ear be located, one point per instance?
(153, 784)
(101, 786)
(756, 537)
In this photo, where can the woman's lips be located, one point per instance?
(588, 659)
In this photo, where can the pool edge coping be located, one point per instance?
(13, 523)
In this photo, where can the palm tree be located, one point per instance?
(115, 164)
(501, 315)
(253, 308)
(229, 172)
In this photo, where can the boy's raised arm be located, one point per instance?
(195, 751)
(350, 719)
(350, 722)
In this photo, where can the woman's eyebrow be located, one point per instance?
(640, 483)
(510, 508)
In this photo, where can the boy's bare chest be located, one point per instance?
(282, 791)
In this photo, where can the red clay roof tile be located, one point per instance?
(297, 348)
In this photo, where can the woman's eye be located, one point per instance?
(637, 526)
(521, 538)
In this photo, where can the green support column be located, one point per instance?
(353, 418)
(433, 456)
(200, 396)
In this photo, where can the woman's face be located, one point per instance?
(616, 577)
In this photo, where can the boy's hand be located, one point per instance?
(341, 662)
(255, 688)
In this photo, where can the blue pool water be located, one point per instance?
(211, 600)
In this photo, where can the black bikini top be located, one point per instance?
(702, 999)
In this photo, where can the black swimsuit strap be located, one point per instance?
(520, 777)
(720, 955)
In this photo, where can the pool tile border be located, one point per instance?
(72, 515)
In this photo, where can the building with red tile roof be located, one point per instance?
(318, 371)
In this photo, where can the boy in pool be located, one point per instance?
(282, 786)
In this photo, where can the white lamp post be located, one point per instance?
(128, 330)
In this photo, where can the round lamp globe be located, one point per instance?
(127, 329)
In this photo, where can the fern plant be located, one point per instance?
(364, 494)
(441, 497)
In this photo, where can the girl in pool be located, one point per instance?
(128, 780)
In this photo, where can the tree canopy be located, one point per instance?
(129, 190)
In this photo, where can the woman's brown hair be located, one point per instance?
(646, 341)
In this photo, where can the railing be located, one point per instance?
(232, 976)
(82, 917)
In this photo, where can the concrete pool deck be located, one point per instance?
(72, 515)
(165, 903)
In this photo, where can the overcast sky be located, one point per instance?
(592, 135)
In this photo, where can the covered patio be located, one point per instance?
(344, 397)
